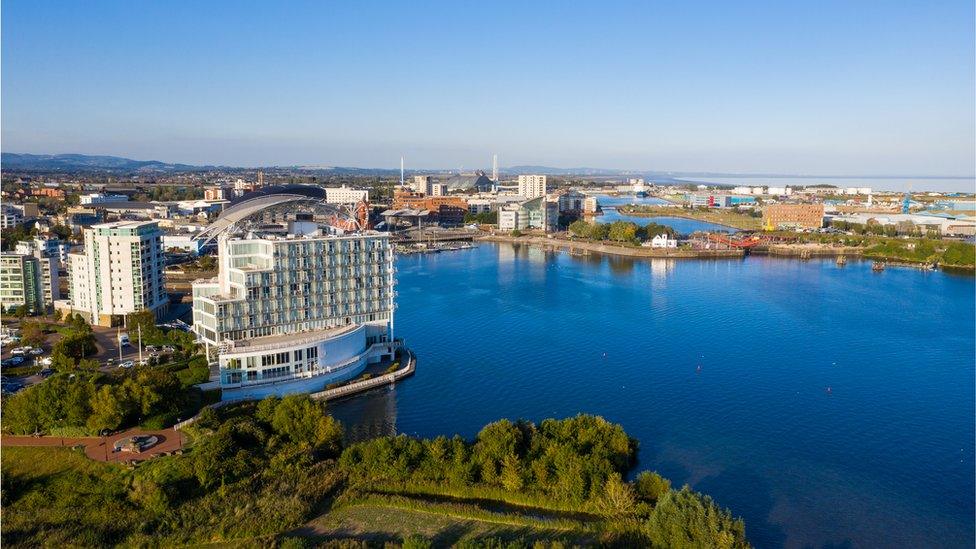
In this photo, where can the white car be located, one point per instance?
(126, 364)
(19, 351)
(46, 361)
(37, 351)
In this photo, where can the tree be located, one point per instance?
(107, 410)
(146, 321)
(687, 519)
(650, 486)
(623, 231)
(32, 333)
(21, 311)
(580, 228)
(616, 501)
(302, 420)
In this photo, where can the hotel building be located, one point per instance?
(296, 311)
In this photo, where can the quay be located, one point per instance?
(349, 389)
(580, 247)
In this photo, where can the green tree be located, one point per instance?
(687, 519)
(650, 486)
(617, 500)
(107, 410)
(33, 334)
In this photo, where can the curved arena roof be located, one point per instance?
(252, 204)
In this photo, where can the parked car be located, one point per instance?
(151, 348)
(37, 351)
(19, 351)
(14, 361)
(46, 372)
(126, 364)
(168, 349)
(46, 361)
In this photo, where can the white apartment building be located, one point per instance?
(590, 205)
(20, 282)
(50, 247)
(531, 186)
(47, 252)
(438, 189)
(10, 217)
(99, 198)
(345, 195)
(121, 272)
(422, 184)
(296, 312)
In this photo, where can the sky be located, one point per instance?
(819, 87)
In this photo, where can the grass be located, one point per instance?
(722, 217)
(49, 486)
(382, 519)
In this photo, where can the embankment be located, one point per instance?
(583, 246)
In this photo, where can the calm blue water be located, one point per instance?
(882, 459)
(683, 226)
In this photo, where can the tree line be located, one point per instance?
(619, 231)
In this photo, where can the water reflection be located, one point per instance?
(369, 415)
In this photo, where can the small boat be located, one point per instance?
(878, 266)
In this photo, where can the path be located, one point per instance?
(100, 448)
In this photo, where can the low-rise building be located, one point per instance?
(793, 216)
(663, 241)
(10, 217)
(346, 195)
(99, 198)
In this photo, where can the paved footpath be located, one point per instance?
(100, 448)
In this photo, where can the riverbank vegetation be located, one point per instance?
(275, 473)
(745, 219)
(926, 251)
(624, 232)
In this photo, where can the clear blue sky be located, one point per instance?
(819, 88)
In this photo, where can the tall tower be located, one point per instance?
(494, 168)
(401, 171)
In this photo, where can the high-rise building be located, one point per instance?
(21, 282)
(422, 184)
(532, 186)
(121, 272)
(296, 312)
(47, 251)
(438, 189)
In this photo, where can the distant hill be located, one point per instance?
(87, 163)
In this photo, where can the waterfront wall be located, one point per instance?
(613, 249)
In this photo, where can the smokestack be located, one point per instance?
(494, 168)
(401, 171)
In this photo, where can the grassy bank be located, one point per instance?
(921, 251)
(274, 474)
(729, 218)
